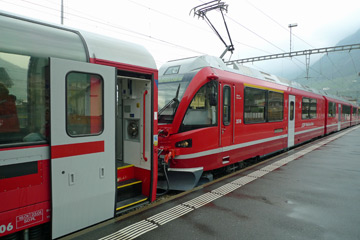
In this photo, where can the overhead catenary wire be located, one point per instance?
(277, 23)
(307, 67)
(34, 9)
(69, 15)
(335, 67)
(108, 24)
(80, 15)
(193, 25)
(353, 62)
(256, 34)
(135, 33)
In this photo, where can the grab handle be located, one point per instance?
(144, 101)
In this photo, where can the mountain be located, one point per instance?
(335, 72)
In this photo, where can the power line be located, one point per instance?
(352, 60)
(299, 53)
(96, 20)
(190, 24)
(253, 32)
(248, 29)
(335, 67)
(100, 21)
(193, 25)
(29, 8)
(280, 25)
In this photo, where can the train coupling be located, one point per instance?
(166, 155)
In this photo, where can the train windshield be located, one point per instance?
(171, 90)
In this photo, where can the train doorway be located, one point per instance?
(82, 144)
(291, 121)
(134, 126)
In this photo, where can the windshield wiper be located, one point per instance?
(174, 100)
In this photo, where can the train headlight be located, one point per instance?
(184, 144)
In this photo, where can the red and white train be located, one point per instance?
(77, 128)
(212, 115)
(79, 124)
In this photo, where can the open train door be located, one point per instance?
(82, 127)
(291, 121)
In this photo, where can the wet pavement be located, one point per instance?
(311, 192)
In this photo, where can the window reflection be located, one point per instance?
(84, 99)
(202, 111)
(24, 99)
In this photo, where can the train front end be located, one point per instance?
(188, 113)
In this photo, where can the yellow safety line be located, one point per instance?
(127, 166)
(129, 184)
(261, 87)
(142, 200)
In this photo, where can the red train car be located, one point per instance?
(339, 114)
(354, 115)
(77, 123)
(212, 116)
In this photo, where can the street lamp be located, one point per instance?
(291, 26)
(62, 12)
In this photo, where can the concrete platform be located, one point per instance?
(311, 192)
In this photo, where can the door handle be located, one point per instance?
(71, 179)
(102, 173)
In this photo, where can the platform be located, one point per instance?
(311, 192)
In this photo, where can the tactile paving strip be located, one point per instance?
(132, 231)
(170, 214)
(139, 228)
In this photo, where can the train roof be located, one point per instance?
(32, 37)
(198, 62)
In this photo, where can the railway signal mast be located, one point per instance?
(201, 12)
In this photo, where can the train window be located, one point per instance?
(309, 108)
(171, 90)
(313, 108)
(202, 111)
(292, 110)
(172, 70)
(254, 105)
(226, 105)
(331, 109)
(24, 99)
(84, 104)
(305, 108)
(346, 110)
(275, 106)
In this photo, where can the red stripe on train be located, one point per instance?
(75, 149)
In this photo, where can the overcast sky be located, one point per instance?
(168, 31)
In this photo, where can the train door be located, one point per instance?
(226, 132)
(291, 121)
(339, 118)
(134, 124)
(82, 100)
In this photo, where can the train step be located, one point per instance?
(131, 202)
(128, 189)
(125, 172)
